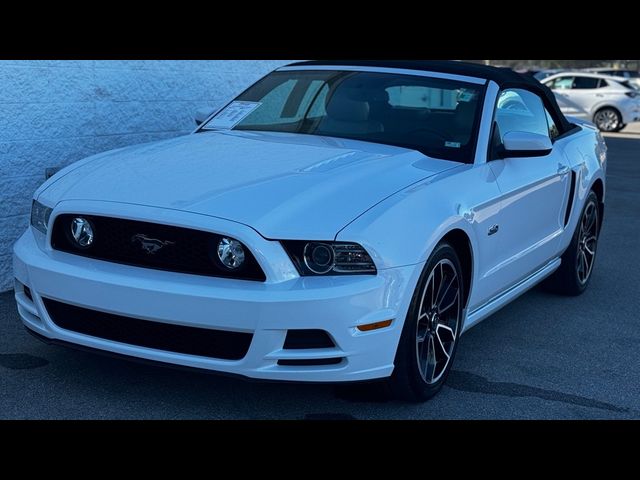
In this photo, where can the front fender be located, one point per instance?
(405, 228)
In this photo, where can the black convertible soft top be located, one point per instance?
(504, 77)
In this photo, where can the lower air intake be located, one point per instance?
(202, 342)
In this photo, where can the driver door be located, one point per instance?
(534, 190)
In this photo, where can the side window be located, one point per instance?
(553, 128)
(521, 111)
(562, 83)
(585, 83)
(603, 83)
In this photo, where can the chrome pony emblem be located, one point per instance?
(150, 245)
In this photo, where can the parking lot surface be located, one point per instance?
(542, 357)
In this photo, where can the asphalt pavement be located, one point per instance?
(541, 357)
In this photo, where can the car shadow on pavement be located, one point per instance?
(470, 382)
(21, 361)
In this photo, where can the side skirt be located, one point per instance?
(492, 306)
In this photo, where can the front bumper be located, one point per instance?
(336, 305)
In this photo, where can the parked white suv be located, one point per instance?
(611, 102)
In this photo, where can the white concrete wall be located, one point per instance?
(53, 113)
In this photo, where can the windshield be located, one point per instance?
(434, 116)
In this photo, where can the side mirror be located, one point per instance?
(202, 115)
(525, 144)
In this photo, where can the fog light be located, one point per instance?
(82, 232)
(231, 253)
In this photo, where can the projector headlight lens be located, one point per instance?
(318, 257)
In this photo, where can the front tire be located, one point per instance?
(431, 330)
(574, 274)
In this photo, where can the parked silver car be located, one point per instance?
(611, 102)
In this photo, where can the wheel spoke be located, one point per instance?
(422, 351)
(590, 245)
(580, 265)
(423, 311)
(584, 267)
(442, 357)
(441, 351)
(431, 361)
(447, 307)
(446, 331)
(434, 299)
(441, 298)
(590, 218)
(587, 264)
(433, 287)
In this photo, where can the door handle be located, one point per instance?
(563, 169)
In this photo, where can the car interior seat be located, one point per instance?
(347, 112)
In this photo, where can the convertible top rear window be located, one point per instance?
(438, 117)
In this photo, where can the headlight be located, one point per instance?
(329, 258)
(40, 215)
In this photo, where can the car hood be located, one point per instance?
(285, 186)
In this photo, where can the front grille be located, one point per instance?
(151, 245)
(143, 333)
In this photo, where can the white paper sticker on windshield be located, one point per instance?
(232, 115)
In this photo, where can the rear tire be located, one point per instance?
(574, 274)
(431, 330)
(608, 119)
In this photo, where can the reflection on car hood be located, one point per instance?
(283, 185)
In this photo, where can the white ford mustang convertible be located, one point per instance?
(337, 222)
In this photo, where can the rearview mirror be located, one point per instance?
(204, 113)
(525, 144)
